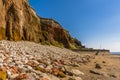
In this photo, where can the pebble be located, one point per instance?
(21, 58)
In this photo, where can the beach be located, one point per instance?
(102, 68)
(24, 60)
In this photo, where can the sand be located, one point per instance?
(110, 67)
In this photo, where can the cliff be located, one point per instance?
(20, 22)
(53, 33)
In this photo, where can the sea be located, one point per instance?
(115, 53)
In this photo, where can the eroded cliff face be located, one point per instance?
(53, 33)
(18, 21)
(2, 20)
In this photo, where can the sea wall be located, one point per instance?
(94, 51)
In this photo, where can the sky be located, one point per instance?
(96, 23)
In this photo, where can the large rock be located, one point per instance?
(18, 21)
(76, 72)
(72, 72)
(98, 72)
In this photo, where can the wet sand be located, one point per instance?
(110, 68)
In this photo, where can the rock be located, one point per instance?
(1, 60)
(84, 60)
(31, 76)
(104, 62)
(75, 78)
(14, 70)
(76, 72)
(98, 66)
(21, 76)
(3, 69)
(9, 73)
(63, 69)
(33, 63)
(113, 75)
(22, 69)
(39, 69)
(76, 64)
(7, 60)
(3, 75)
(66, 70)
(61, 74)
(55, 71)
(12, 77)
(42, 65)
(36, 72)
(49, 77)
(99, 72)
(30, 63)
(43, 79)
(49, 67)
(29, 67)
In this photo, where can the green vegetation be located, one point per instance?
(57, 44)
(45, 43)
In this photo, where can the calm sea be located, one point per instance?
(115, 53)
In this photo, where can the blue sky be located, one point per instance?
(94, 22)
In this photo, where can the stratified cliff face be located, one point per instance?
(53, 32)
(18, 21)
